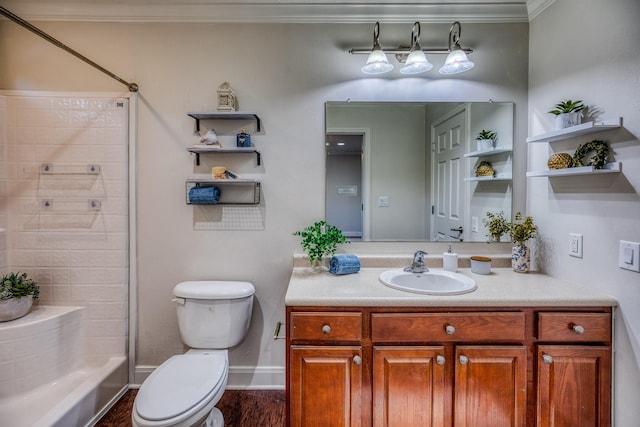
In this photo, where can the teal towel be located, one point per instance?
(204, 195)
(344, 264)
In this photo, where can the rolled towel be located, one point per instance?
(344, 264)
(204, 195)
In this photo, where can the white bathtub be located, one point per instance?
(46, 378)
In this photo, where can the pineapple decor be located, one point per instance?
(484, 169)
(559, 161)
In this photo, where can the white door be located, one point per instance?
(448, 137)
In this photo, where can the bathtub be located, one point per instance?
(46, 377)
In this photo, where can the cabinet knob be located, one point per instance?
(464, 360)
(440, 359)
(357, 360)
(578, 329)
(450, 329)
(326, 329)
(547, 359)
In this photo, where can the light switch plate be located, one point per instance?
(575, 245)
(474, 224)
(383, 202)
(629, 256)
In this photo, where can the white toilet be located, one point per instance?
(182, 392)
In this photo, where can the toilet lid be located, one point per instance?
(179, 384)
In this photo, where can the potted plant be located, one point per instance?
(568, 113)
(521, 230)
(17, 292)
(485, 140)
(497, 225)
(319, 240)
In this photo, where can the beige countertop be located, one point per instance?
(503, 287)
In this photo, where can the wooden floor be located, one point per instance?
(241, 408)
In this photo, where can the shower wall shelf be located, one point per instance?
(573, 131)
(231, 115)
(247, 188)
(197, 150)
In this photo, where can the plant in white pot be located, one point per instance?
(568, 113)
(17, 293)
(521, 230)
(485, 140)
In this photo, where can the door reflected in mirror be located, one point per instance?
(413, 171)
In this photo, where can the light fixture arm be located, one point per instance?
(415, 36)
(454, 36)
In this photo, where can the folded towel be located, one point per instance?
(344, 264)
(204, 195)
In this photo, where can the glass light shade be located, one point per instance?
(377, 63)
(416, 63)
(457, 62)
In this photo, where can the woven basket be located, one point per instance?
(484, 169)
(559, 161)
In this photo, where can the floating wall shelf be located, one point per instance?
(252, 184)
(231, 115)
(483, 153)
(584, 170)
(498, 177)
(217, 150)
(582, 129)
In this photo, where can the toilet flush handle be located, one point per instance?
(180, 301)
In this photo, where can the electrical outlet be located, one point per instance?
(575, 245)
(629, 256)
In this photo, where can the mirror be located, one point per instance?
(413, 171)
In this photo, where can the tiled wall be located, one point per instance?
(66, 199)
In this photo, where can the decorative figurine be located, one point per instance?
(210, 138)
(227, 100)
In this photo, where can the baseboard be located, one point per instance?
(240, 377)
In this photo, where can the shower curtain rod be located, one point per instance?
(133, 87)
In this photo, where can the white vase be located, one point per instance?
(14, 308)
(521, 259)
(568, 119)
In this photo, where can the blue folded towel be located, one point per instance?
(344, 264)
(204, 195)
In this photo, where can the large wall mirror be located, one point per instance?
(413, 171)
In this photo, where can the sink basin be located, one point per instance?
(433, 282)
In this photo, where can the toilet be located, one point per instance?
(213, 316)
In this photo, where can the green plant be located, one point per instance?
(18, 285)
(567, 106)
(320, 239)
(487, 134)
(522, 229)
(497, 224)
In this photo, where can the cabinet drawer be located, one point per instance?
(326, 326)
(420, 327)
(574, 327)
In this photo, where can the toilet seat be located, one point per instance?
(181, 387)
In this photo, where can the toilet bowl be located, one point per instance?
(183, 391)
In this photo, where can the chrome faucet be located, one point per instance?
(418, 265)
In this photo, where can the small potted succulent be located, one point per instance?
(521, 230)
(17, 293)
(319, 240)
(485, 140)
(497, 225)
(568, 113)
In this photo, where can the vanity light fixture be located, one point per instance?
(413, 57)
(377, 62)
(457, 61)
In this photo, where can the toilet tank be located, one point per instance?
(213, 314)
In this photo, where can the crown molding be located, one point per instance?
(536, 7)
(496, 11)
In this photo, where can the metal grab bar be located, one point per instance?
(133, 87)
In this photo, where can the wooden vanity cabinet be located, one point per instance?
(464, 367)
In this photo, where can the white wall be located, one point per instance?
(587, 50)
(285, 73)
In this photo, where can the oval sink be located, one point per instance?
(433, 282)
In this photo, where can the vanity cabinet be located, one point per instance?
(444, 367)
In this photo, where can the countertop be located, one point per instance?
(503, 287)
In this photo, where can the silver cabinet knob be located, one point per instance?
(326, 329)
(450, 329)
(578, 329)
(357, 360)
(547, 359)
(440, 359)
(463, 360)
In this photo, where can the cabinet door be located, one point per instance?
(411, 387)
(326, 386)
(574, 386)
(490, 386)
